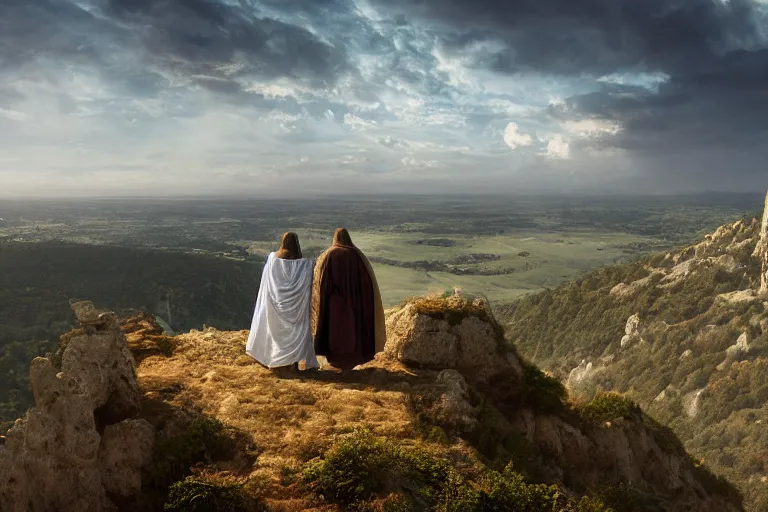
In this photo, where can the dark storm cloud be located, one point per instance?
(599, 36)
(199, 36)
(712, 53)
(48, 28)
(193, 38)
(722, 106)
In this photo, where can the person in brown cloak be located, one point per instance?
(347, 312)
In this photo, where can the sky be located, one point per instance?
(283, 97)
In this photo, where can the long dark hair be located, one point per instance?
(289, 247)
(341, 237)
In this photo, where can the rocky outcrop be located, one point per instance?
(761, 250)
(631, 331)
(80, 443)
(453, 408)
(579, 374)
(455, 338)
(629, 449)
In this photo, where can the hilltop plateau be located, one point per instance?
(447, 418)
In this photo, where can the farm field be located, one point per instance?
(523, 261)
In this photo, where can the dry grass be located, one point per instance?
(288, 417)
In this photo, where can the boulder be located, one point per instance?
(453, 408)
(740, 347)
(579, 374)
(57, 457)
(452, 338)
(631, 331)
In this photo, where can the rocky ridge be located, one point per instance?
(685, 334)
(447, 384)
(82, 443)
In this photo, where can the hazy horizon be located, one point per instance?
(300, 97)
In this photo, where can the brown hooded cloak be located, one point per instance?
(347, 312)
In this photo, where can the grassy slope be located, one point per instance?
(366, 440)
(582, 320)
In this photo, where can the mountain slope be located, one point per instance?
(685, 334)
(448, 418)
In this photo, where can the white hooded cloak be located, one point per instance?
(280, 332)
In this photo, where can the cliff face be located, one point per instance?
(685, 334)
(82, 442)
(447, 397)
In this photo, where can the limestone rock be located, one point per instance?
(579, 374)
(728, 263)
(629, 450)
(691, 402)
(469, 344)
(739, 296)
(102, 363)
(85, 311)
(685, 355)
(761, 250)
(631, 331)
(679, 271)
(667, 393)
(126, 448)
(740, 347)
(623, 290)
(453, 408)
(54, 458)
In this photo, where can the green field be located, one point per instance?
(546, 260)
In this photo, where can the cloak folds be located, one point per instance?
(280, 332)
(347, 312)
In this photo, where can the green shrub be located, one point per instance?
(608, 407)
(196, 494)
(203, 441)
(542, 392)
(351, 471)
(508, 491)
(359, 467)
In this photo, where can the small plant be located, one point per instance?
(609, 407)
(351, 471)
(507, 490)
(205, 494)
(542, 392)
(360, 466)
(203, 441)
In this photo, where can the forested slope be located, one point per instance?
(37, 282)
(685, 334)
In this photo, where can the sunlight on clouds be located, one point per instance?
(651, 81)
(514, 138)
(356, 123)
(410, 161)
(558, 148)
(592, 127)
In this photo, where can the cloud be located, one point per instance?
(210, 92)
(592, 127)
(514, 138)
(558, 148)
(356, 123)
(410, 161)
(594, 36)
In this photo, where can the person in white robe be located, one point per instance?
(281, 333)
